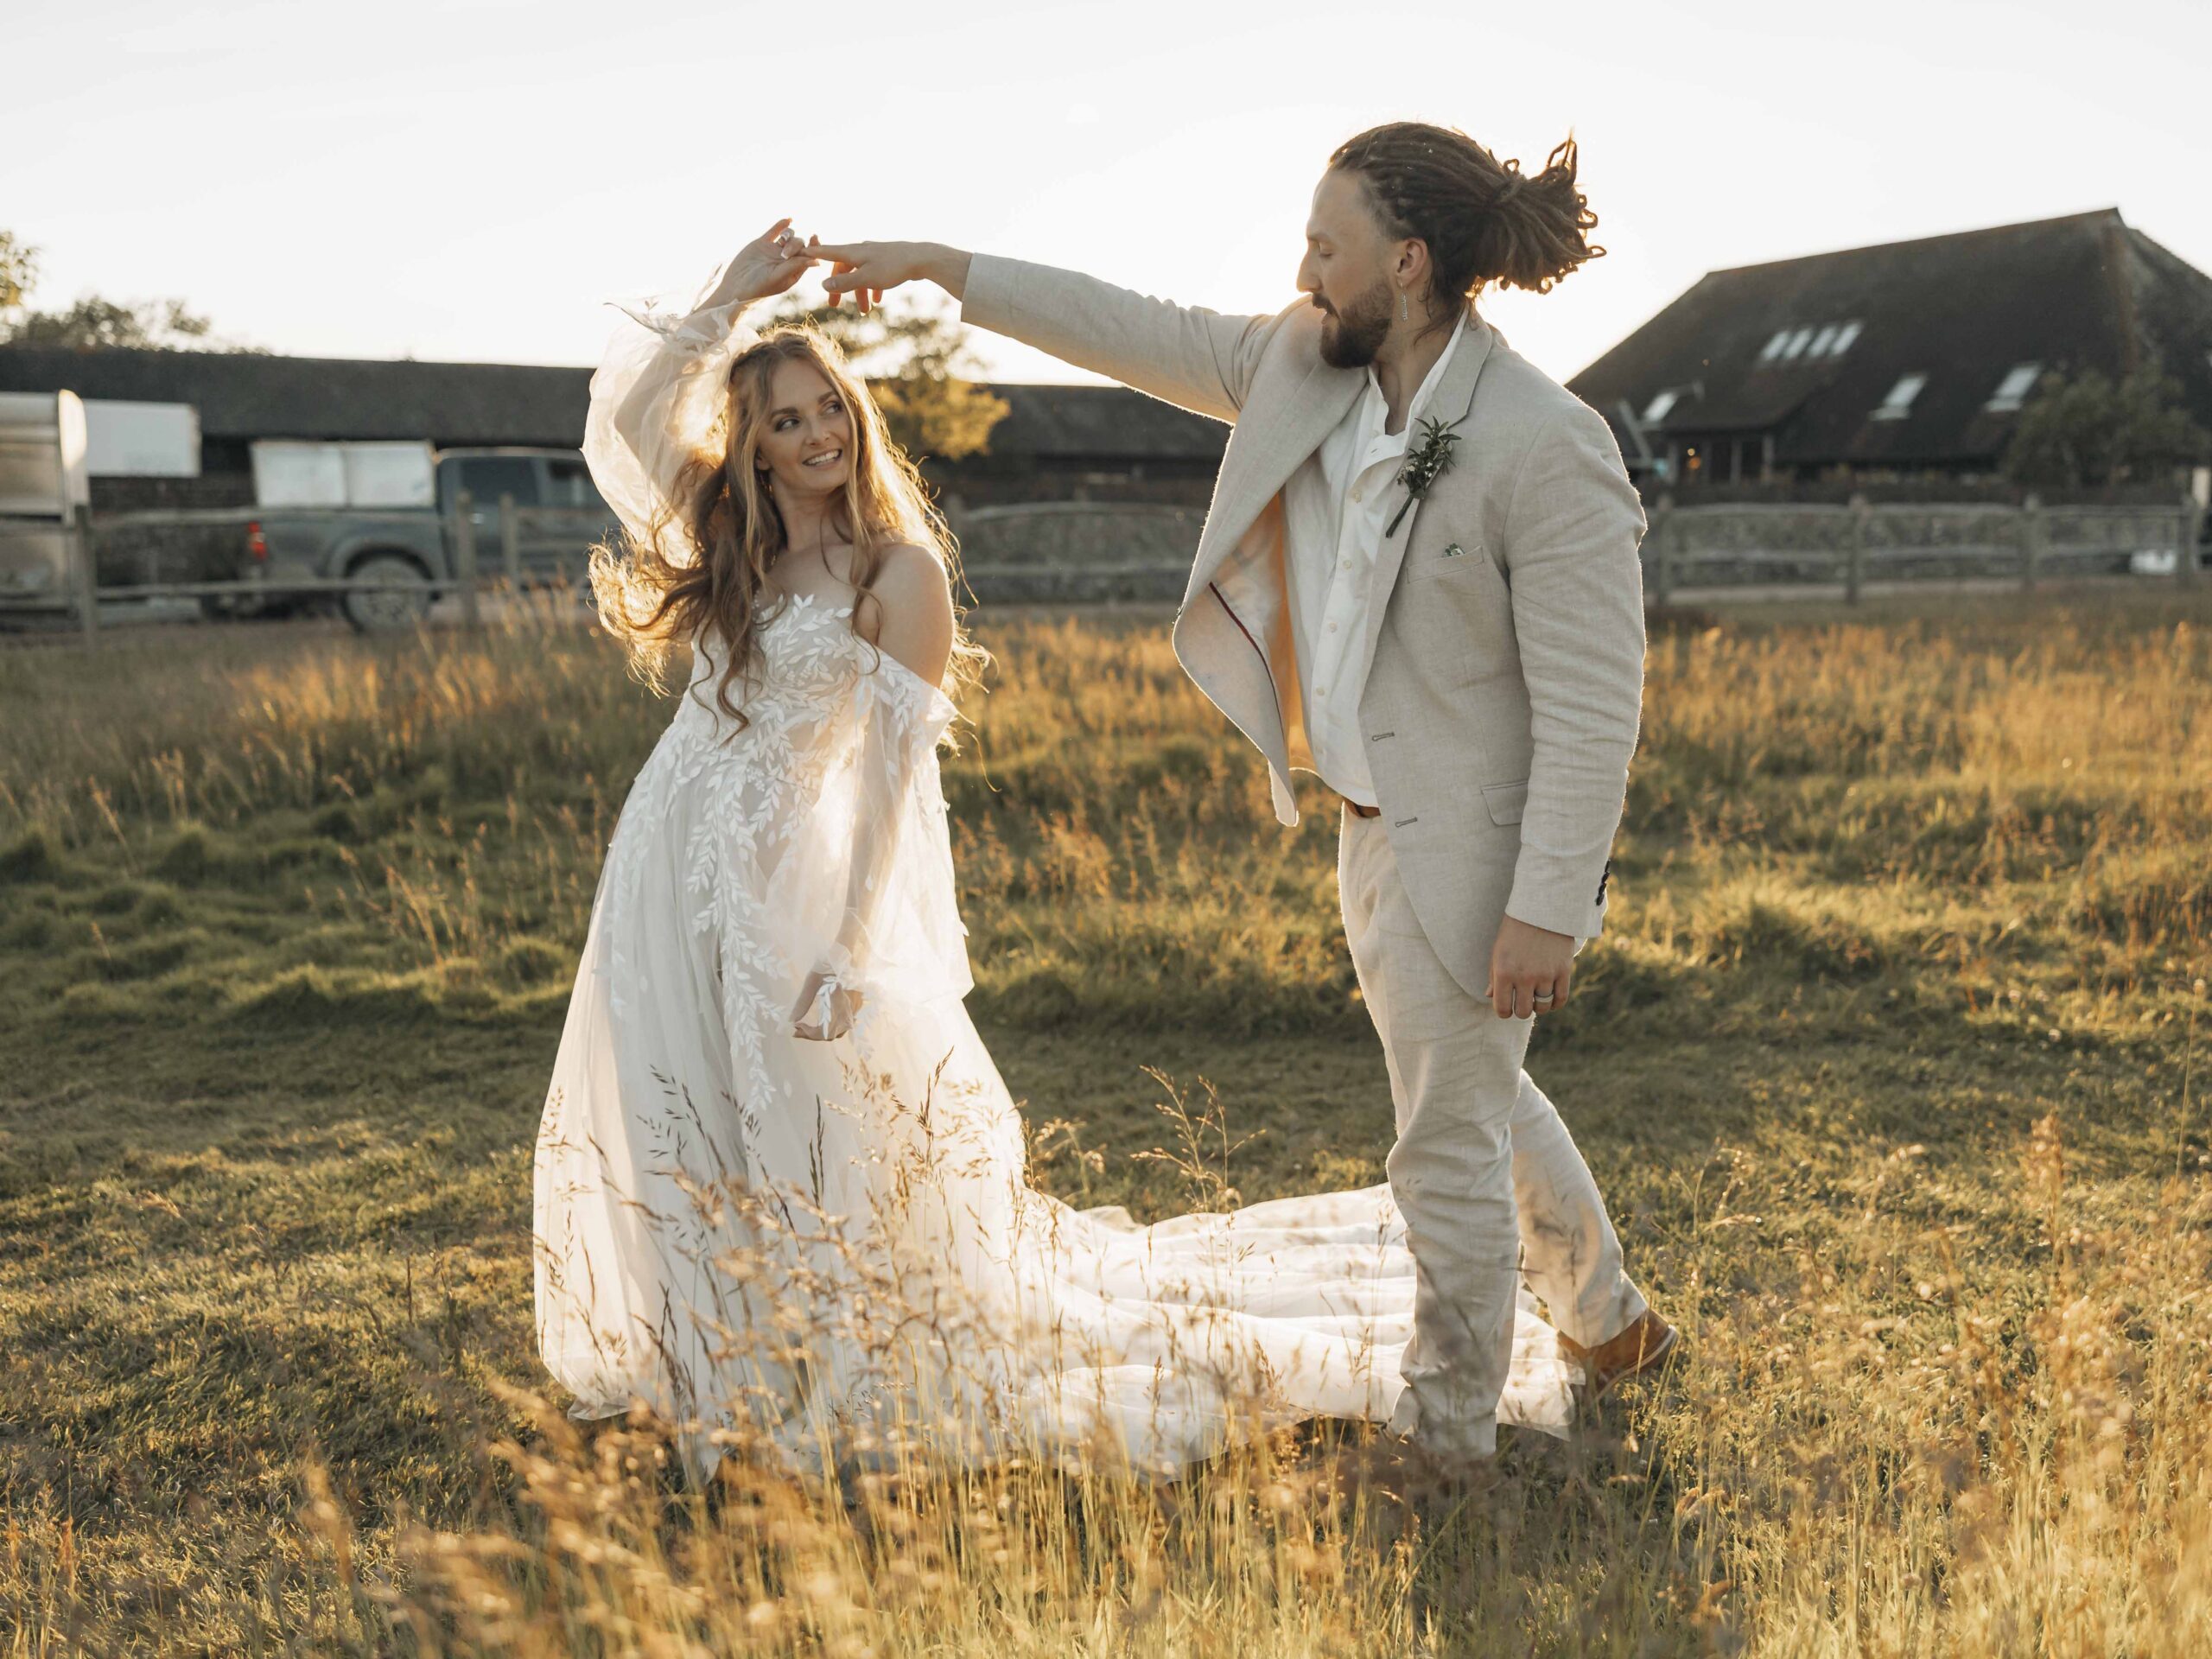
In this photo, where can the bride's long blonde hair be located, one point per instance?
(704, 564)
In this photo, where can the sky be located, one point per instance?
(473, 181)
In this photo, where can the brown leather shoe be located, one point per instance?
(1642, 1346)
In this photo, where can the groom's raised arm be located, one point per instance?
(1187, 355)
(1200, 360)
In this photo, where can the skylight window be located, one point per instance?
(2013, 390)
(1811, 343)
(1655, 410)
(1898, 404)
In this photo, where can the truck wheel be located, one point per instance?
(400, 600)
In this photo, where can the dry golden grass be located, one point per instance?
(1891, 1061)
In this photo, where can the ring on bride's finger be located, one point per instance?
(1544, 996)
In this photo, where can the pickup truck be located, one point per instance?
(405, 550)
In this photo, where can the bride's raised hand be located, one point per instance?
(767, 265)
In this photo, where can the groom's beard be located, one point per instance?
(1356, 331)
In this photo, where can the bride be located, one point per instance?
(780, 1192)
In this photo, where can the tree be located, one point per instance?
(913, 360)
(18, 271)
(2090, 430)
(94, 323)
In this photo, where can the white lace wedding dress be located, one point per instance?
(830, 1249)
(834, 1243)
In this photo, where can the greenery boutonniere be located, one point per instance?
(1424, 462)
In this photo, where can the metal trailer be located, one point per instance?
(46, 566)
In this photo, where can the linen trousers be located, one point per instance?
(1491, 1183)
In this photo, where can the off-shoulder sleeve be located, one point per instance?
(658, 401)
(899, 938)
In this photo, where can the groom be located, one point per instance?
(1418, 579)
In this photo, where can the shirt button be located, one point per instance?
(1345, 565)
(1332, 627)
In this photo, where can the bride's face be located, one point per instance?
(806, 442)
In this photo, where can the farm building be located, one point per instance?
(1910, 359)
(1056, 442)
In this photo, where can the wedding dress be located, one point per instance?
(830, 1249)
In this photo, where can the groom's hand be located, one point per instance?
(866, 270)
(1529, 963)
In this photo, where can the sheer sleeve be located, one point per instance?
(899, 938)
(657, 401)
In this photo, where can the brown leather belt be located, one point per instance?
(1363, 811)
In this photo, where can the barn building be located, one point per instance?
(1056, 443)
(1908, 361)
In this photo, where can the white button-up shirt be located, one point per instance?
(1336, 505)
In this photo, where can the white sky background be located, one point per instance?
(470, 181)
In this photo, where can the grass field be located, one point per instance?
(1891, 1062)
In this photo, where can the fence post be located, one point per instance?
(2192, 520)
(2031, 535)
(464, 557)
(511, 544)
(1663, 551)
(84, 568)
(1854, 551)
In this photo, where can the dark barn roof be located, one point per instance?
(246, 396)
(250, 395)
(1107, 424)
(2083, 291)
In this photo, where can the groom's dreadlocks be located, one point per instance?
(1483, 220)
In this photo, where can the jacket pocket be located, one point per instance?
(1506, 801)
(1470, 564)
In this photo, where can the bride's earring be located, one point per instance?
(1405, 307)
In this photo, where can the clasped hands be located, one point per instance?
(773, 261)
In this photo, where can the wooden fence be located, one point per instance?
(1849, 547)
(1081, 551)
(1075, 552)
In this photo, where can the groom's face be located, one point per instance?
(1347, 270)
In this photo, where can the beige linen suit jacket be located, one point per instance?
(1505, 624)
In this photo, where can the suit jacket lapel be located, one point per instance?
(1455, 396)
(1264, 450)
